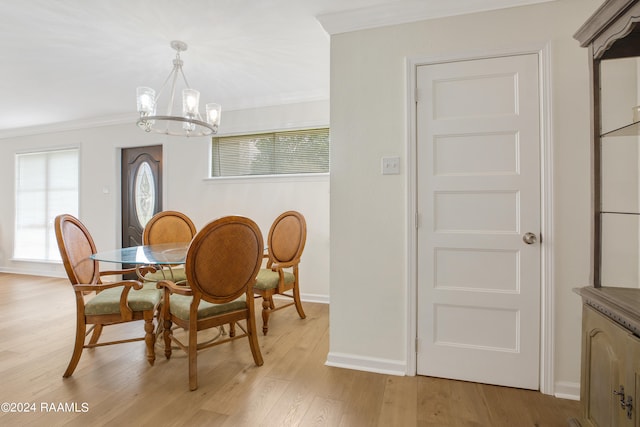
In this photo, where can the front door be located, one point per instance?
(141, 190)
(478, 173)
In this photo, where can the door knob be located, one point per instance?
(529, 238)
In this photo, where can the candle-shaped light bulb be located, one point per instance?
(213, 114)
(190, 101)
(146, 101)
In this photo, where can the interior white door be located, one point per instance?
(478, 172)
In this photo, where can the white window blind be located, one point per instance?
(276, 153)
(46, 186)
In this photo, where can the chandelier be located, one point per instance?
(190, 122)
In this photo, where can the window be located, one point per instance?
(46, 186)
(275, 153)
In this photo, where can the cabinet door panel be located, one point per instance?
(633, 378)
(602, 369)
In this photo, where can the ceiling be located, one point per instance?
(79, 62)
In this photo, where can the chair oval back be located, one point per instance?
(168, 227)
(224, 258)
(287, 237)
(76, 245)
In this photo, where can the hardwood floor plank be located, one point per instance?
(503, 408)
(400, 403)
(291, 408)
(323, 412)
(434, 403)
(468, 403)
(292, 388)
(261, 397)
(363, 398)
(303, 389)
(199, 418)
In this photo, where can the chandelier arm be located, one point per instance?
(166, 81)
(184, 77)
(174, 74)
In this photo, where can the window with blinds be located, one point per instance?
(46, 186)
(275, 153)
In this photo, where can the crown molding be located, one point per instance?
(68, 126)
(403, 12)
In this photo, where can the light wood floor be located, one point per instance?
(292, 388)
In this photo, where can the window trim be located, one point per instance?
(277, 176)
(300, 177)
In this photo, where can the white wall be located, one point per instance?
(186, 187)
(369, 259)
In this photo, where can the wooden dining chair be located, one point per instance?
(168, 227)
(101, 304)
(287, 237)
(221, 267)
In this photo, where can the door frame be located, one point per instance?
(546, 202)
(118, 172)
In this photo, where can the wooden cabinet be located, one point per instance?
(632, 379)
(608, 395)
(610, 376)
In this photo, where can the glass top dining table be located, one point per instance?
(162, 254)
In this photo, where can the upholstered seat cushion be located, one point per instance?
(268, 279)
(181, 304)
(108, 301)
(175, 274)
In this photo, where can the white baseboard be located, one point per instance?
(32, 272)
(321, 299)
(368, 364)
(563, 389)
(567, 390)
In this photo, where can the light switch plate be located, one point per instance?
(390, 165)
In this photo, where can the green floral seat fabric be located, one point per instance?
(175, 274)
(268, 279)
(108, 301)
(181, 304)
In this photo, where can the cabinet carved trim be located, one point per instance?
(606, 25)
(603, 45)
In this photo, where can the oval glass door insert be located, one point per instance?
(144, 194)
